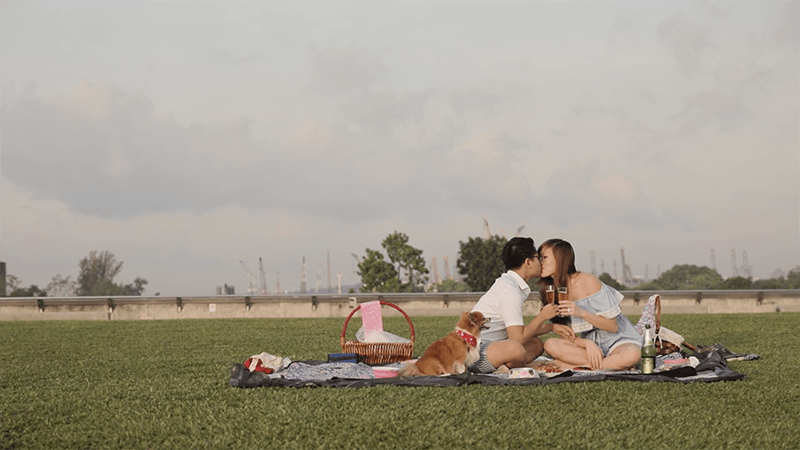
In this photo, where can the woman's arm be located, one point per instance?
(583, 285)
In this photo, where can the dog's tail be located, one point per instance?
(409, 370)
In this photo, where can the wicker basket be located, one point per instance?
(379, 352)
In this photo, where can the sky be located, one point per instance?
(185, 137)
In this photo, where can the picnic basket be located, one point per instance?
(378, 352)
(667, 341)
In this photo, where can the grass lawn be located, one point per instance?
(164, 384)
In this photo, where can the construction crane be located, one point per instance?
(355, 268)
(319, 278)
(253, 289)
(519, 230)
(329, 273)
(745, 266)
(303, 277)
(263, 276)
(627, 277)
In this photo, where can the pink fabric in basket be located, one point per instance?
(371, 317)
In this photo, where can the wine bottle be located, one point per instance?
(648, 351)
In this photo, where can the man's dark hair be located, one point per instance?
(516, 251)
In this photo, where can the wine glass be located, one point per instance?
(562, 295)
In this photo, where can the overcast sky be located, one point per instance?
(186, 136)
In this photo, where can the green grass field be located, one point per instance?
(164, 384)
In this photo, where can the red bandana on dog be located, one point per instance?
(468, 338)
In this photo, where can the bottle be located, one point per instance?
(648, 351)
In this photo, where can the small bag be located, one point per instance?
(343, 357)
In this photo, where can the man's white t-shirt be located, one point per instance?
(502, 304)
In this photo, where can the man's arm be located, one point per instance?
(536, 327)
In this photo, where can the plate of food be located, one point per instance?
(548, 368)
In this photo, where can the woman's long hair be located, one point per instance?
(565, 265)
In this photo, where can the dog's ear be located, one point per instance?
(476, 317)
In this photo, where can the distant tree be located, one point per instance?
(406, 258)
(479, 261)
(449, 286)
(61, 287)
(31, 291)
(771, 283)
(376, 274)
(96, 277)
(736, 283)
(683, 277)
(606, 278)
(793, 279)
(12, 283)
(790, 281)
(137, 287)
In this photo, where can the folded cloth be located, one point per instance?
(264, 362)
(373, 320)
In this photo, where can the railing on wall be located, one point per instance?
(339, 305)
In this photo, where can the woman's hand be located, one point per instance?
(549, 311)
(568, 308)
(564, 331)
(595, 355)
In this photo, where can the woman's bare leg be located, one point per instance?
(623, 357)
(565, 353)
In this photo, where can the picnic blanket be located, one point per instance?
(711, 367)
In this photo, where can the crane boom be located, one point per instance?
(253, 289)
(263, 276)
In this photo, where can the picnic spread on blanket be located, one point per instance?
(376, 356)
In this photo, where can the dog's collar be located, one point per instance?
(468, 338)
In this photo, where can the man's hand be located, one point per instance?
(564, 331)
(549, 311)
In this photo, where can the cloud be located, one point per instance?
(711, 108)
(589, 191)
(107, 152)
(382, 111)
(685, 39)
(228, 57)
(342, 70)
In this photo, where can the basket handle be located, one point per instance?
(408, 319)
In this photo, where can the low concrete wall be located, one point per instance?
(438, 304)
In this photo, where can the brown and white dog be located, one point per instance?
(453, 353)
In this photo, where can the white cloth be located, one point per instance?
(502, 304)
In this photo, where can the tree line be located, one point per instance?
(95, 278)
(479, 264)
